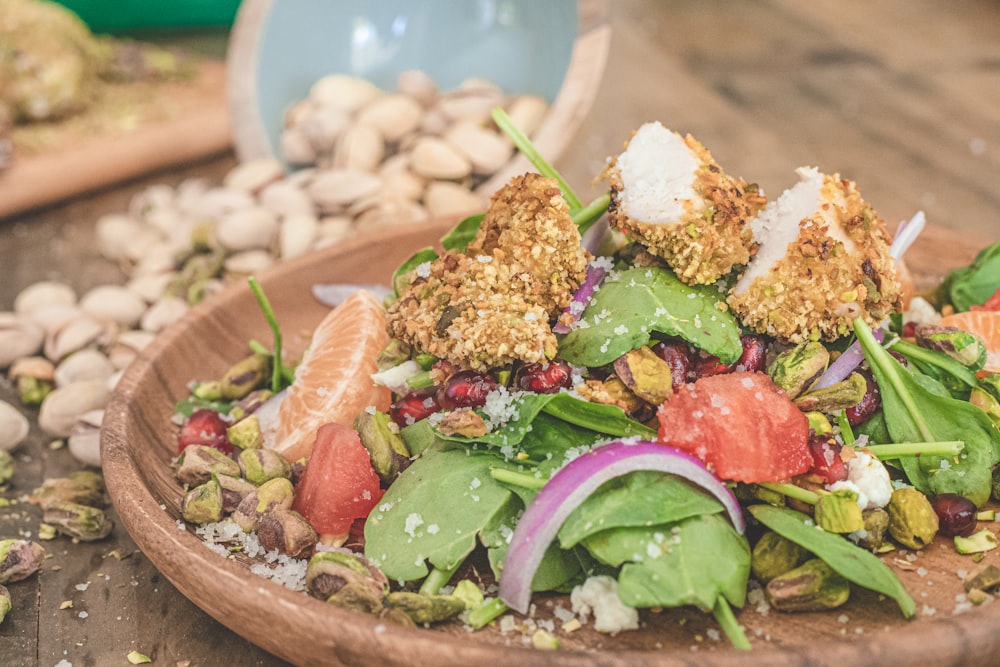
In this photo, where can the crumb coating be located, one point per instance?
(818, 288)
(712, 236)
(492, 305)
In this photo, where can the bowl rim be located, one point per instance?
(358, 637)
(573, 101)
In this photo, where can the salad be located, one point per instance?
(723, 393)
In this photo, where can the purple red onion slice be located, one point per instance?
(595, 274)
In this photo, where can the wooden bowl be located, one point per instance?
(139, 441)
(556, 49)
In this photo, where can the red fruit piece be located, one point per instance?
(466, 389)
(413, 407)
(741, 424)
(752, 359)
(204, 427)
(827, 463)
(956, 514)
(339, 484)
(544, 378)
(869, 403)
(678, 357)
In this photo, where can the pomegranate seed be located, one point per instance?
(413, 407)
(869, 404)
(678, 357)
(544, 378)
(956, 514)
(909, 330)
(827, 463)
(466, 389)
(204, 427)
(751, 359)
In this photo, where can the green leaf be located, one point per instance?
(692, 562)
(633, 304)
(416, 259)
(957, 378)
(642, 498)
(434, 512)
(607, 419)
(915, 414)
(458, 239)
(973, 284)
(188, 405)
(850, 561)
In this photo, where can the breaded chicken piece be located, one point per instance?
(493, 304)
(823, 261)
(669, 194)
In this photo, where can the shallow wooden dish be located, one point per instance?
(138, 442)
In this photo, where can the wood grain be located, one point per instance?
(139, 441)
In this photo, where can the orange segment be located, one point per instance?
(333, 383)
(986, 325)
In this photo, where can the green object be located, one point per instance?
(840, 396)
(915, 414)
(203, 503)
(246, 433)
(912, 520)
(849, 561)
(978, 542)
(131, 15)
(795, 369)
(812, 586)
(635, 302)
(973, 284)
(641, 498)
(773, 555)
(839, 512)
(87, 524)
(426, 608)
(693, 562)
(5, 603)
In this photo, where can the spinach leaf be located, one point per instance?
(634, 303)
(607, 419)
(957, 378)
(914, 414)
(458, 239)
(415, 260)
(434, 512)
(642, 498)
(692, 562)
(557, 566)
(973, 284)
(848, 560)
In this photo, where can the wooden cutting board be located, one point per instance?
(178, 122)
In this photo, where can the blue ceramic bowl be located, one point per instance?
(278, 49)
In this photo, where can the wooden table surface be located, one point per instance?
(902, 96)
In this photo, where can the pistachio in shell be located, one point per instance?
(795, 369)
(645, 374)
(912, 520)
(840, 396)
(426, 608)
(203, 503)
(839, 512)
(19, 559)
(812, 586)
(260, 465)
(197, 463)
(774, 555)
(288, 532)
(81, 522)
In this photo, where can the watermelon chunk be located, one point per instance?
(741, 425)
(339, 484)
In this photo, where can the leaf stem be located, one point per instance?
(846, 432)
(420, 380)
(277, 372)
(436, 579)
(521, 479)
(727, 621)
(486, 612)
(524, 145)
(900, 449)
(877, 356)
(792, 491)
(585, 218)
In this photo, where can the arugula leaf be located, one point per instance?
(692, 562)
(187, 406)
(846, 559)
(915, 414)
(632, 304)
(434, 512)
(642, 498)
